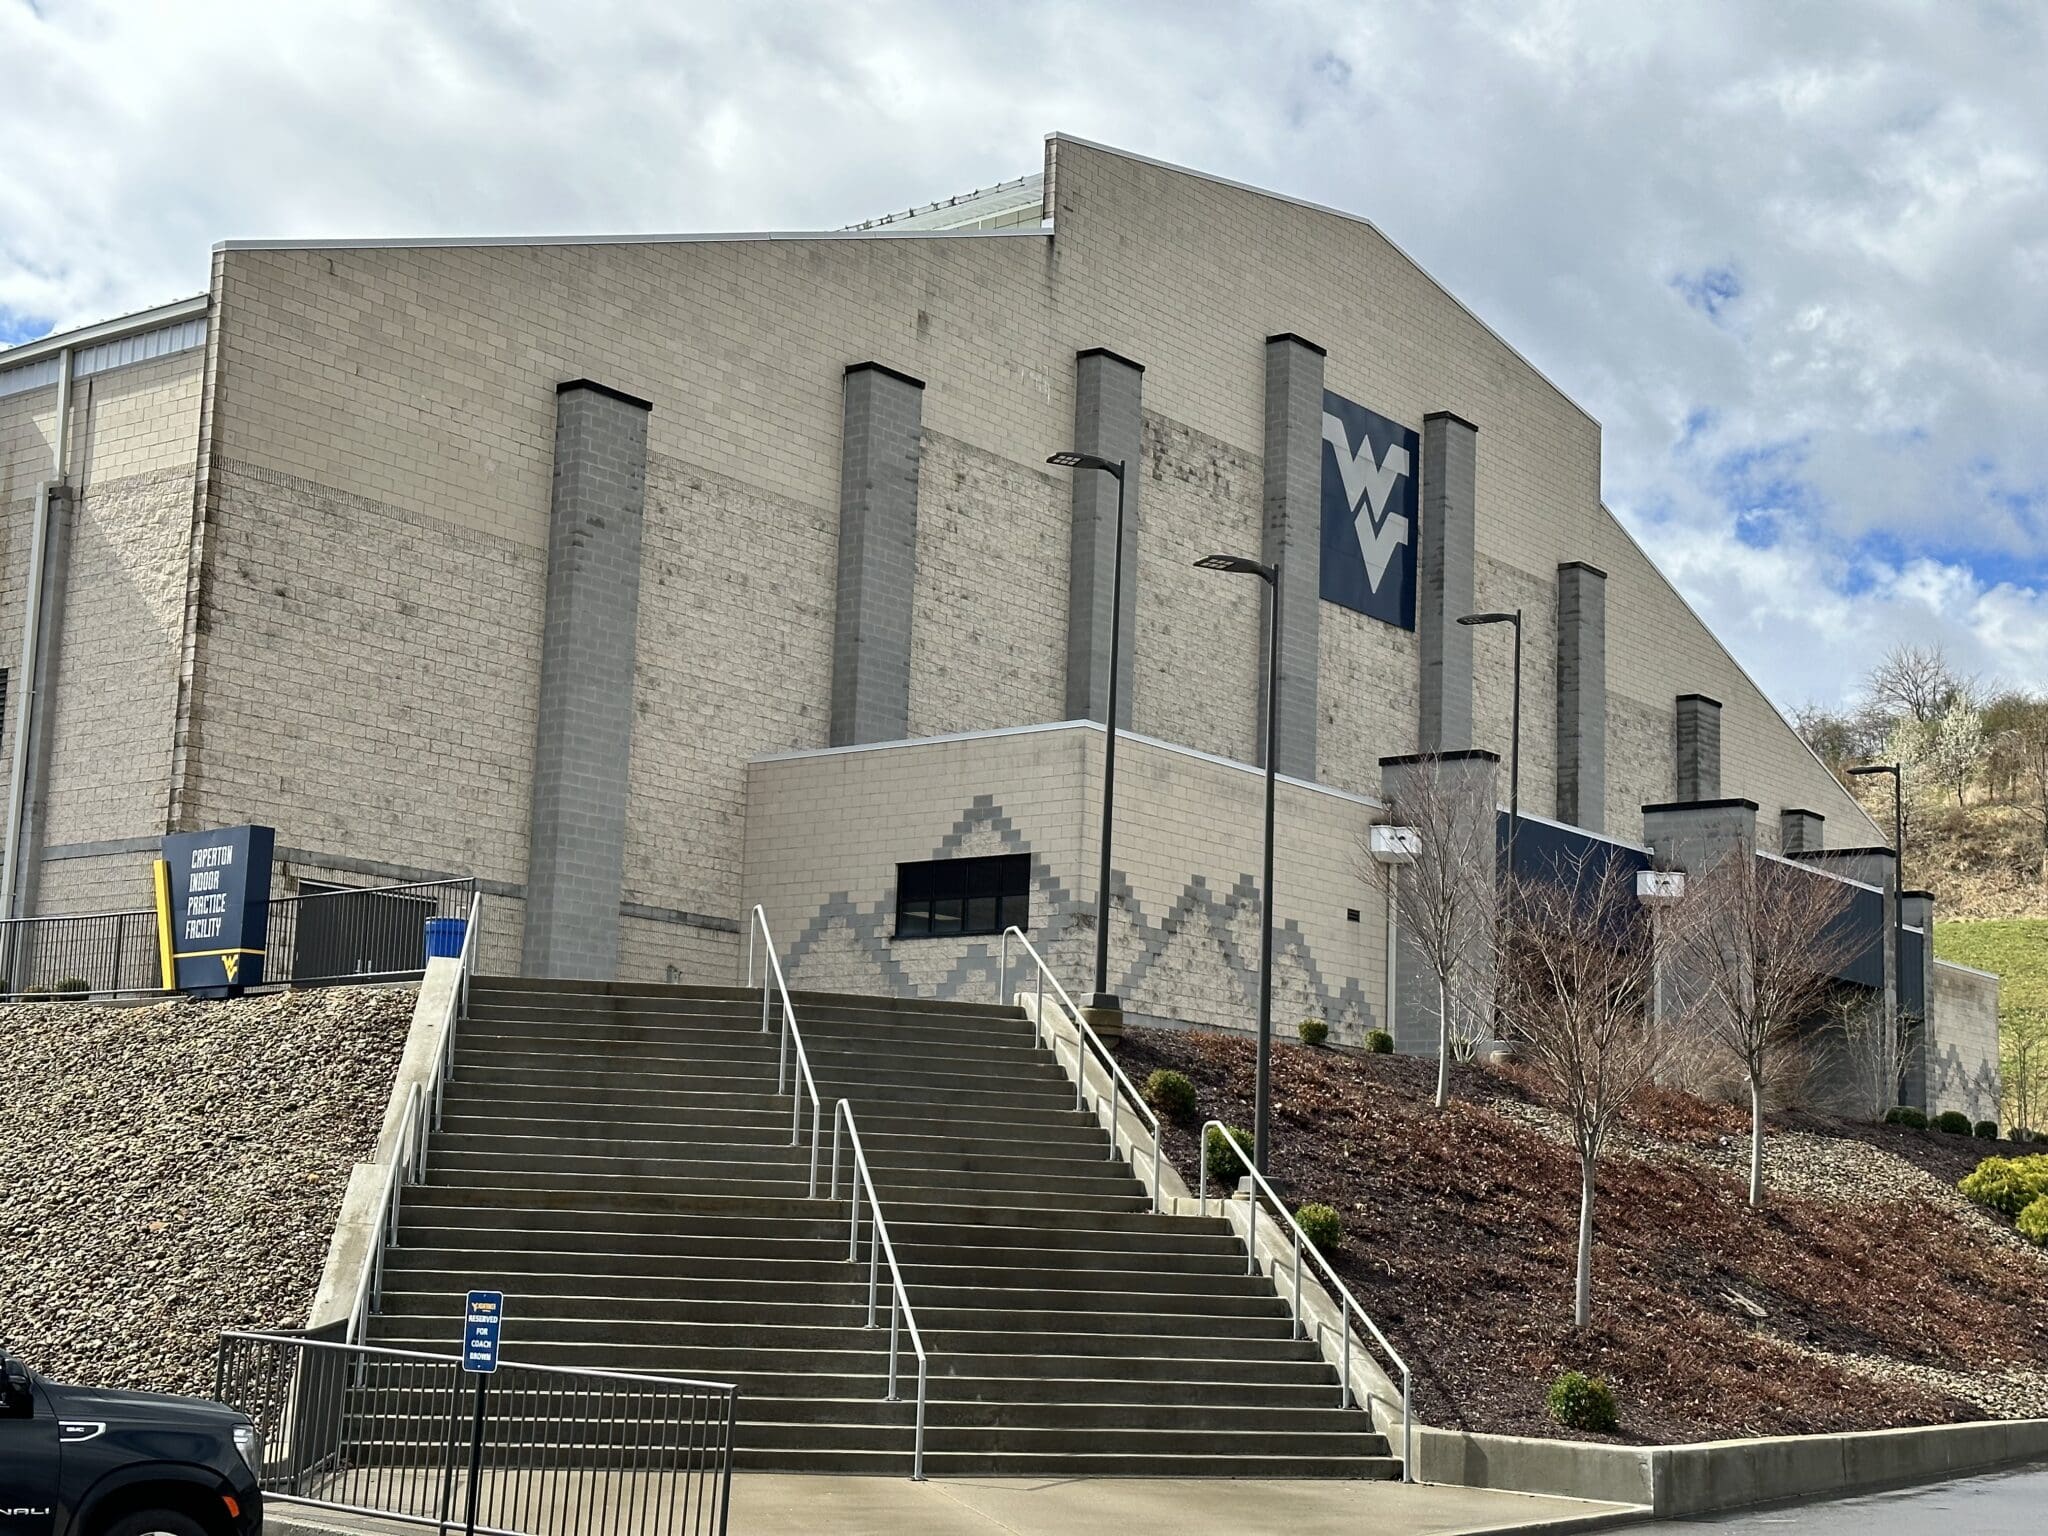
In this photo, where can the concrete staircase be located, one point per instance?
(614, 1157)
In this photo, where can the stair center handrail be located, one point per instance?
(408, 1161)
(791, 1035)
(1120, 1086)
(1345, 1300)
(879, 1248)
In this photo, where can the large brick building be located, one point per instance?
(649, 578)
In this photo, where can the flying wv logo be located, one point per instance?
(1369, 490)
(1369, 512)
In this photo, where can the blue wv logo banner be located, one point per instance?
(1369, 512)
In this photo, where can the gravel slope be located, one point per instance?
(170, 1171)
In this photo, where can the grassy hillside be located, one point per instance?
(2016, 948)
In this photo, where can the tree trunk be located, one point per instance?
(1582, 1301)
(1443, 1043)
(1756, 1140)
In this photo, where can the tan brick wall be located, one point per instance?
(1962, 1046)
(111, 719)
(394, 409)
(826, 831)
(371, 679)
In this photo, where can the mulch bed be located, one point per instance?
(1460, 1235)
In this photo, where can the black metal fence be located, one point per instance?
(321, 936)
(70, 956)
(346, 934)
(556, 1450)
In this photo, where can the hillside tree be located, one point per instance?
(1758, 962)
(1577, 973)
(1445, 901)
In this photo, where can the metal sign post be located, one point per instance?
(485, 1313)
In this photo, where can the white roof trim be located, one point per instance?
(1565, 826)
(106, 330)
(1175, 748)
(1956, 965)
(467, 242)
(1819, 869)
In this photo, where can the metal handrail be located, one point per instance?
(879, 1247)
(1121, 1086)
(1348, 1302)
(790, 1033)
(408, 1163)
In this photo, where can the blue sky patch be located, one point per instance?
(1709, 290)
(15, 329)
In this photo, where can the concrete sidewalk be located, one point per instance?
(779, 1504)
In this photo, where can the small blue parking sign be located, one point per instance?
(486, 1311)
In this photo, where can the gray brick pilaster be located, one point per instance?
(878, 452)
(1582, 695)
(1444, 584)
(582, 750)
(1462, 784)
(1800, 831)
(1695, 835)
(1916, 993)
(1108, 406)
(1294, 541)
(1698, 747)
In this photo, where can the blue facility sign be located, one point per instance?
(216, 899)
(1370, 467)
(486, 1310)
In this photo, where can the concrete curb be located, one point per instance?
(1710, 1476)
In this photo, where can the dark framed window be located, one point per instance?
(952, 898)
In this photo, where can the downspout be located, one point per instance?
(31, 645)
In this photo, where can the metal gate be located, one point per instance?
(558, 1450)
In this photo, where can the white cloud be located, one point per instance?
(1874, 181)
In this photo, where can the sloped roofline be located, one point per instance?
(1335, 213)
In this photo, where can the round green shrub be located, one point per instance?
(1953, 1121)
(1170, 1093)
(1912, 1119)
(1379, 1042)
(2033, 1222)
(73, 986)
(1579, 1401)
(1321, 1225)
(1222, 1161)
(2007, 1185)
(1987, 1130)
(1312, 1031)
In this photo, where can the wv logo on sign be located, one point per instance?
(1369, 507)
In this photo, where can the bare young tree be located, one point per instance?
(1758, 961)
(1577, 974)
(1916, 682)
(1445, 900)
(1870, 1055)
(2023, 1067)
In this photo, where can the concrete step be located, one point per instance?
(945, 1333)
(648, 1192)
(934, 1229)
(612, 1029)
(752, 1299)
(626, 1101)
(1087, 1464)
(537, 1078)
(764, 1132)
(623, 1165)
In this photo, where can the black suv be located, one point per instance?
(78, 1462)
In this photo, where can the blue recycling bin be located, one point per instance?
(444, 937)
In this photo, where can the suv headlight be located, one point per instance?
(249, 1441)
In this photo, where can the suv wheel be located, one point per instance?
(156, 1522)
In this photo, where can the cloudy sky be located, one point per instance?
(1794, 257)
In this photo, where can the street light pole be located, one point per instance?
(1102, 998)
(1270, 574)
